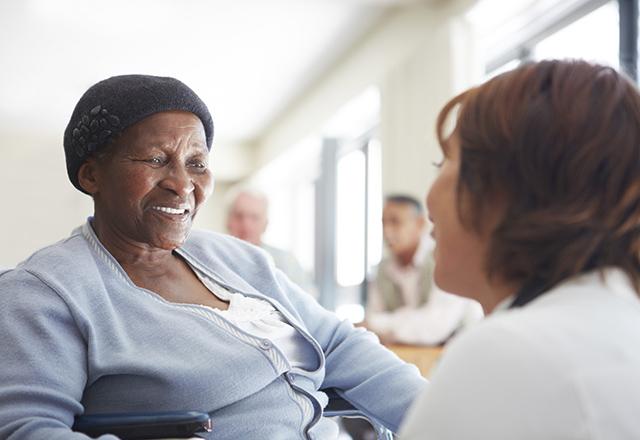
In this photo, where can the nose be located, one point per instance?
(428, 202)
(178, 180)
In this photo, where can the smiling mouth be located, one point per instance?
(172, 211)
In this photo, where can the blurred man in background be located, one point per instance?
(247, 219)
(404, 306)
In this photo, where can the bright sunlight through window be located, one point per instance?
(594, 37)
(350, 218)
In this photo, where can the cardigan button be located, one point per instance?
(265, 344)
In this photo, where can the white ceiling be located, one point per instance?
(248, 59)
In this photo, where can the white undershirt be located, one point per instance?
(260, 319)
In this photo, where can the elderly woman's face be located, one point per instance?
(149, 188)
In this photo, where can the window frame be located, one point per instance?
(330, 291)
(628, 36)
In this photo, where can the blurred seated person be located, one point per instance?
(248, 218)
(137, 312)
(403, 305)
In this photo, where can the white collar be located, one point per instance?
(424, 250)
(613, 278)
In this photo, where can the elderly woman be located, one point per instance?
(136, 312)
(536, 214)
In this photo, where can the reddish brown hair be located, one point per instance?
(559, 143)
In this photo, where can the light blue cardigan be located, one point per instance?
(78, 336)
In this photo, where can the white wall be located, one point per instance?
(39, 204)
(212, 215)
(412, 94)
(418, 56)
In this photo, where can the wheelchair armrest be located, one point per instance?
(339, 407)
(336, 403)
(154, 425)
(184, 424)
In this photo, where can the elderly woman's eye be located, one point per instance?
(198, 164)
(155, 160)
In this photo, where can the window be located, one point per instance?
(543, 29)
(358, 224)
(349, 199)
(289, 182)
(593, 37)
(359, 213)
(509, 65)
(325, 203)
(374, 204)
(350, 218)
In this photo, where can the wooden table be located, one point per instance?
(425, 358)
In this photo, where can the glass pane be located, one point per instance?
(510, 65)
(594, 37)
(350, 218)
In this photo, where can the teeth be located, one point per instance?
(168, 210)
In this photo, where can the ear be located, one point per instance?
(88, 176)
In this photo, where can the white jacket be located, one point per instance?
(565, 366)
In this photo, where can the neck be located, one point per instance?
(405, 258)
(494, 294)
(131, 255)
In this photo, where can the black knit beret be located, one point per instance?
(112, 105)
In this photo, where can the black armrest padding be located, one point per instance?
(134, 426)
